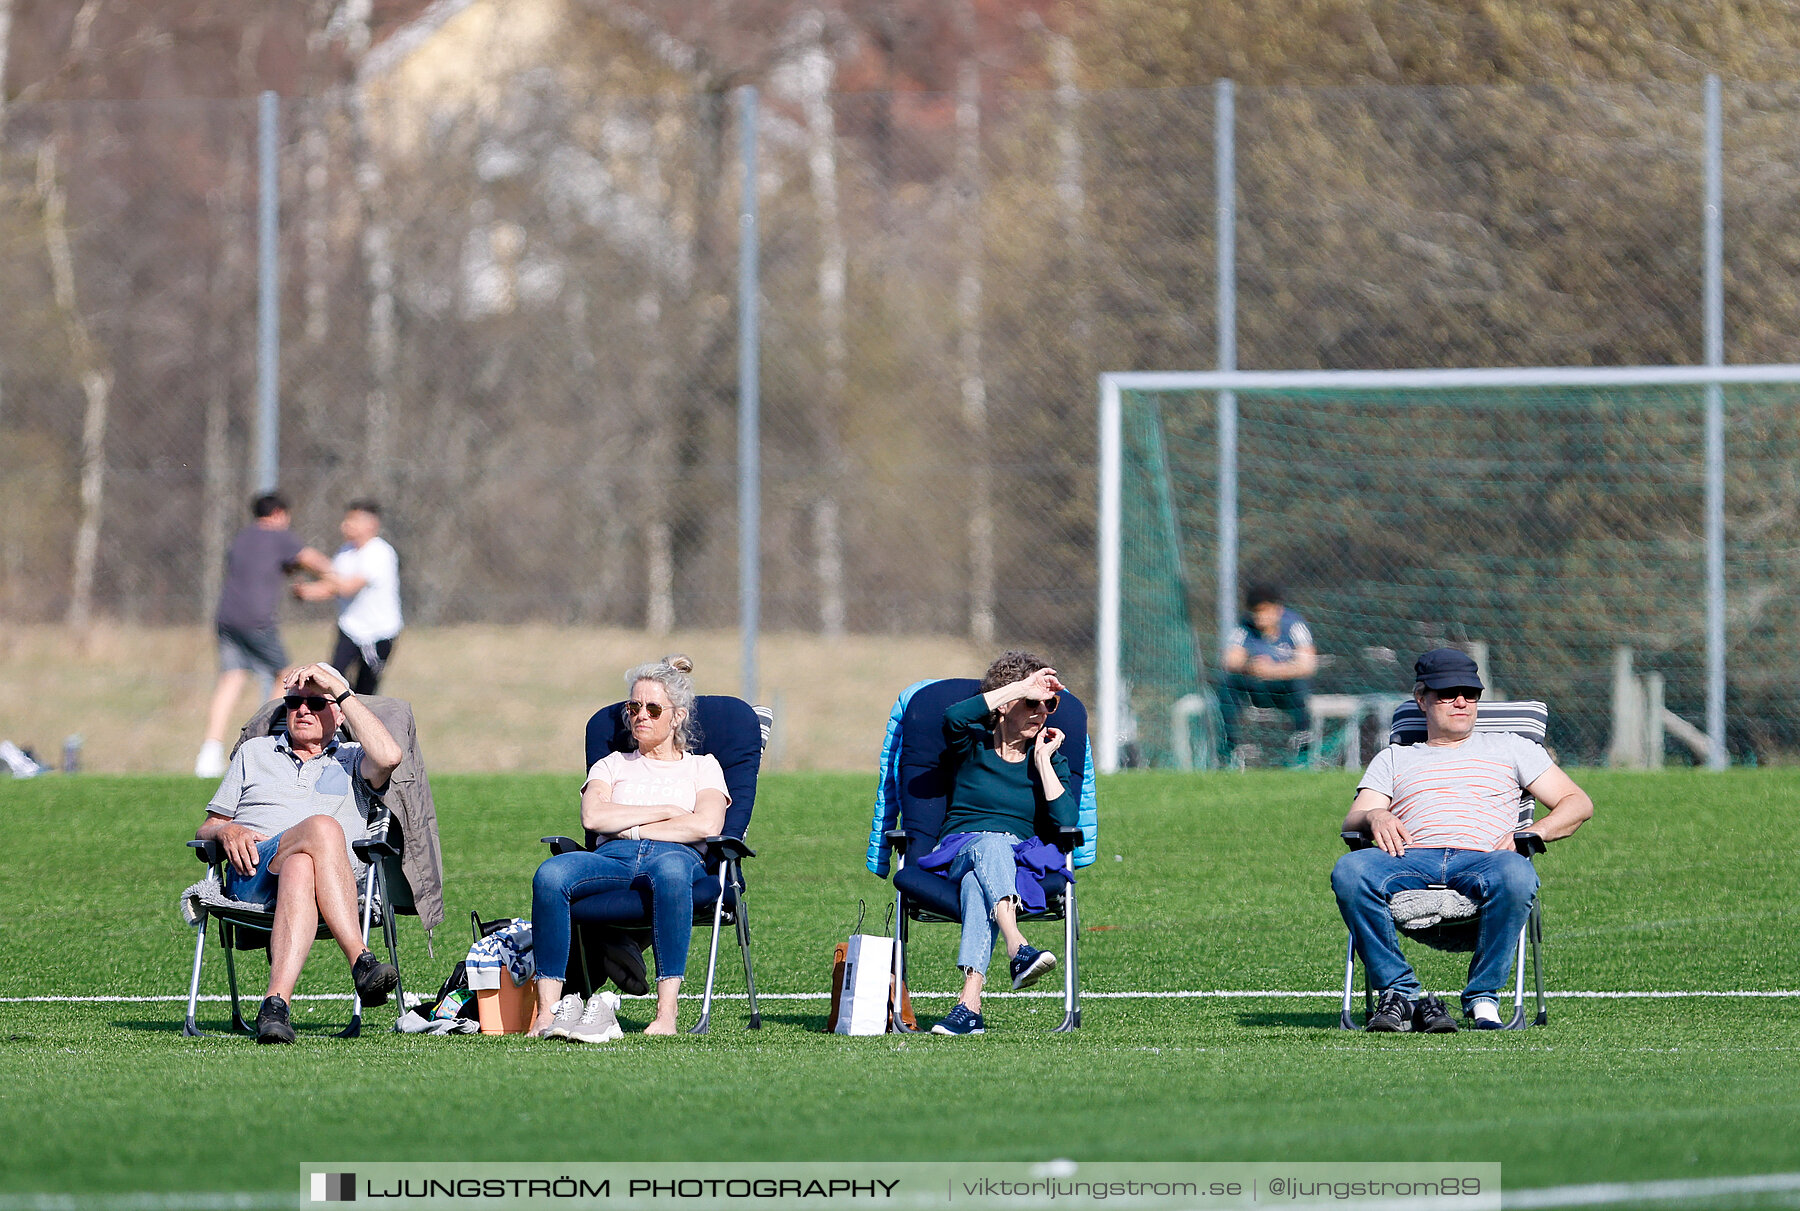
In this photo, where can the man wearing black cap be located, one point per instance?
(1444, 812)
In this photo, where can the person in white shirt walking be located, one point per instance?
(365, 580)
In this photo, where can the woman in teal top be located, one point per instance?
(1006, 770)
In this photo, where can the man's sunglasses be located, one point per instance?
(652, 709)
(316, 703)
(1461, 691)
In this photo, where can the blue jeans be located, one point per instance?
(664, 869)
(1502, 884)
(985, 874)
(258, 888)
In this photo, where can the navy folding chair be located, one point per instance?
(1456, 916)
(735, 733)
(909, 817)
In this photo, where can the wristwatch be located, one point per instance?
(339, 700)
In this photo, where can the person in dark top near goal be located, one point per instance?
(1006, 769)
(257, 566)
(1269, 663)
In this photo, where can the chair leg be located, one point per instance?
(1345, 1021)
(228, 934)
(390, 933)
(897, 979)
(354, 1029)
(1536, 922)
(712, 958)
(1071, 984)
(743, 934)
(1518, 1018)
(190, 1027)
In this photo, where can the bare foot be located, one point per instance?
(540, 1028)
(659, 1026)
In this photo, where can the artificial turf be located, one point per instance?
(1683, 882)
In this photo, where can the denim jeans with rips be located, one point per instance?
(985, 873)
(667, 869)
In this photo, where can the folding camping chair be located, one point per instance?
(736, 733)
(386, 893)
(1446, 919)
(910, 802)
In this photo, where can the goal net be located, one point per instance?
(1556, 516)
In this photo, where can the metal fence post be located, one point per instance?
(1715, 436)
(1225, 183)
(268, 297)
(749, 399)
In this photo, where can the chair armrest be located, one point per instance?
(1067, 839)
(563, 845)
(210, 852)
(730, 847)
(897, 840)
(381, 842)
(1356, 840)
(1528, 843)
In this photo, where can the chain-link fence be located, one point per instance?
(513, 320)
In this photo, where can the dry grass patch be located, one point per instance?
(489, 698)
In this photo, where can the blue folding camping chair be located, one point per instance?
(736, 733)
(910, 802)
(1446, 919)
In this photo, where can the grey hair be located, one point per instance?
(672, 673)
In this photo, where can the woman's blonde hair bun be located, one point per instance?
(679, 662)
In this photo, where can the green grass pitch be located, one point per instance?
(1684, 881)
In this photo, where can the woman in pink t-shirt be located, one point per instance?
(649, 808)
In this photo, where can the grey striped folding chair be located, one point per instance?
(1446, 919)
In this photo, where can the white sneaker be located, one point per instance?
(599, 1021)
(564, 1017)
(211, 761)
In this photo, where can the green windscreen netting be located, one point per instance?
(1553, 525)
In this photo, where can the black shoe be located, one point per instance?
(1431, 1017)
(374, 979)
(272, 1022)
(1393, 1014)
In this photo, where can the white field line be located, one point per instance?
(1598, 1194)
(1190, 995)
(1602, 1194)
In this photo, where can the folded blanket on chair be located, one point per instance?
(198, 899)
(1034, 858)
(1429, 906)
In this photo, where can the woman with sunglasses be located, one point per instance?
(650, 808)
(1006, 773)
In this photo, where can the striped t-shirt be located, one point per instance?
(1459, 796)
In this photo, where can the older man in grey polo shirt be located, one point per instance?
(286, 813)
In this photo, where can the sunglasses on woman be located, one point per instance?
(1049, 704)
(652, 709)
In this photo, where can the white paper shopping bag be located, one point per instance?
(868, 964)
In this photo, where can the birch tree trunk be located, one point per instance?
(968, 343)
(655, 489)
(96, 386)
(230, 276)
(821, 128)
(6, 10)
(1071, 188)
(351, 22)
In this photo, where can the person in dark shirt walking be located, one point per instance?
(1007, 771)
(257, 566)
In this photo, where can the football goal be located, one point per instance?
(1557, 516)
